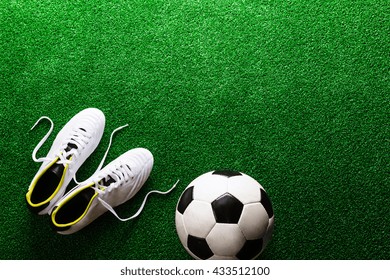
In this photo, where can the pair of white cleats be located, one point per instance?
(107, 188)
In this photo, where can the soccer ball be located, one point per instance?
(224, 215)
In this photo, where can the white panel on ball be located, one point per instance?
(216, 257)
(253, 221)
(244, 188)
(180, 228)
(270, 229)
(209, 187)
(199, 218)
(225, 239)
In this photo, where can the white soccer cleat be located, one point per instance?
(113, 185)
(72, 146)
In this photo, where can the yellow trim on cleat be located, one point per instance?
(35, 181)
(65, 200)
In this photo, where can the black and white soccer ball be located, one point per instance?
(224, 215)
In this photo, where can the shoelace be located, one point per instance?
(111, 209)
(70, 148)
(105, 154)
(119, 175)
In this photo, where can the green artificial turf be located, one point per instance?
(292, 93)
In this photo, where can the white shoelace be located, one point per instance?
(109, 207)
(79, 139)
(121, 174)
(105, 154)
(76, 142)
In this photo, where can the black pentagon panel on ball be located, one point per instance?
(227, 209)
(227, 173)
(185, 199)
(199, 247)
(266, 202)
(250, 249)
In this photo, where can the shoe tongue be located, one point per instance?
(57, 169)
(107, 181)
(70, 147)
